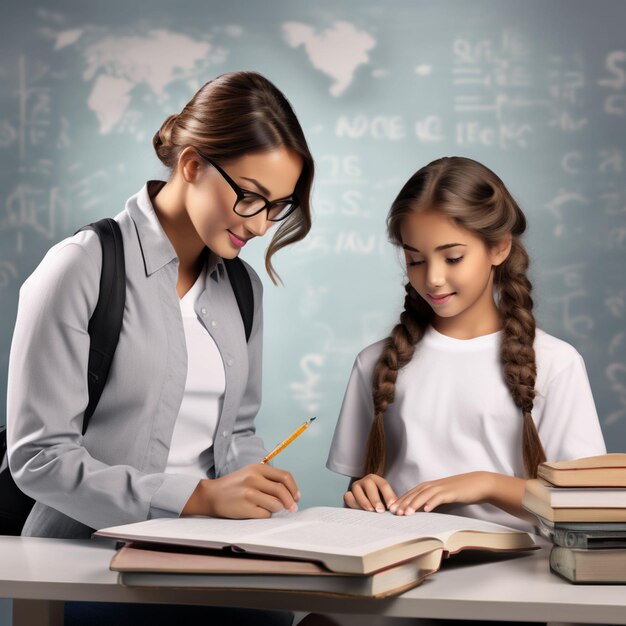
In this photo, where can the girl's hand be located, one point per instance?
(470, 488)
(254, 491)
(368, 494)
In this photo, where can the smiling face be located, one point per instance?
(209, 199)
(452, 269)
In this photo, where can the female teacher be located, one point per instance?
(173, 433)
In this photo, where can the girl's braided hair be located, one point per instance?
(476, 199)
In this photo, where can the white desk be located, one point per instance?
(39, 574)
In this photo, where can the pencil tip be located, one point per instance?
(312, 419)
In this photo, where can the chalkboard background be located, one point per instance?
(535, 90)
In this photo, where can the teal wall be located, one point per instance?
(536, 90)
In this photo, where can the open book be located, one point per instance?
(173, 566)
(343, 540)
(606, 470)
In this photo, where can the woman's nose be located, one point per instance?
(258, 224)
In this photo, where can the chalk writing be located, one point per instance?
(377, 127)
(306, 392)
(615, 62)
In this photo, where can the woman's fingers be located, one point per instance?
(263, 502)
(280, 492)
(244, 492)
(280, 476)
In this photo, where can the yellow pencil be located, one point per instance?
(284, 444)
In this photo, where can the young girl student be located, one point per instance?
(174, 432)
(458, 406)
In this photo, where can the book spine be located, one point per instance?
(562, 563)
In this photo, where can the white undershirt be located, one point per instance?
(204, 392)
(453, 413)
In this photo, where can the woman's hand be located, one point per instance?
(254, 491)
(470, 488)
(368, 494)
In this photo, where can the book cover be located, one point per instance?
(577, 497)
(169, 566)
(541, 508)
(606, 470)
(585, 536)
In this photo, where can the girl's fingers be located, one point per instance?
(388, 494)
(373, 492)
(429, 501)
(360, 497)
(415, 502)
(403, 500)
(434, 502)
(350, 500)
(396, 504)
(370, 493)
(373, 495)
(401, 510)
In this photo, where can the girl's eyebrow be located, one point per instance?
(444, 246)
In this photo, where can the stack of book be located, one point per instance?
(319, 550)
(581, 507)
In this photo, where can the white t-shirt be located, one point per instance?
(200, 409)
(453, 413)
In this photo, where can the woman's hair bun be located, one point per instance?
(162, 140)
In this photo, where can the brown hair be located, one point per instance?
(475, 199)
(235, 114)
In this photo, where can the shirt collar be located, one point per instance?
(215, 267)
(156, 248)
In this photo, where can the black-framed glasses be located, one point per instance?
(249, 203)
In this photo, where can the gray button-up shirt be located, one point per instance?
(115, 473)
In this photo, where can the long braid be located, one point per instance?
(398, 351)
(517, 352)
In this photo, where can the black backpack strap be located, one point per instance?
(242, 287)
(3, 442)
(106, 322)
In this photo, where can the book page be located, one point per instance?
(209, 531)
(323, 529)
(350, 531)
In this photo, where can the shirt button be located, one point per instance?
(213, 323)
(230, 362)
(224, 433)
(203, 311)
